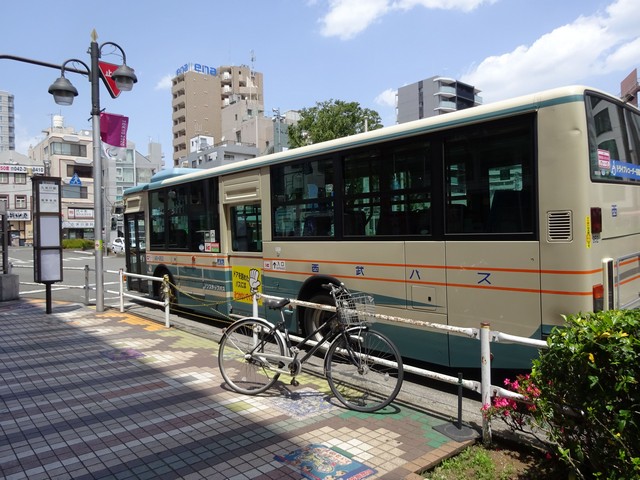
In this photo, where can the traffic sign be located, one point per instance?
(106, 70)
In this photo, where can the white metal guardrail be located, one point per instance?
(121, 293)
(484, 334)
(165, 285)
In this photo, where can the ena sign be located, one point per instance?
(198, 68)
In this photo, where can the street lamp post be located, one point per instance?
(63, 93)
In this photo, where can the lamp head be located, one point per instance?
(63, 91)
(124, 77)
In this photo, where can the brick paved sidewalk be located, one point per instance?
(111, 395)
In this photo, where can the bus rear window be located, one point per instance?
(614, 141)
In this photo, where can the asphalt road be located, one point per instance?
(74, 266)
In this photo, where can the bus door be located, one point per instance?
(243, 239)
(135, 250)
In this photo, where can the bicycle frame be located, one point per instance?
(281, 329)
(253, 353)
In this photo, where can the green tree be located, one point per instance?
(331, 119)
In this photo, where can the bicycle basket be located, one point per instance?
(355, 308)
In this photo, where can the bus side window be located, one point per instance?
(246, 228)
(420, 221)
(354, 223)
(318, 226)
(393, 223)
(455, 220)
(510, 212)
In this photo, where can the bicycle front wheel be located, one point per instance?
(240, 355)
(364, 370)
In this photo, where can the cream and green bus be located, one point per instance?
(512, 213)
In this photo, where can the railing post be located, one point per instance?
(167, 290)
(86, 284)
(255, 303)
(122, 278)
(485, 380)
(608, 284)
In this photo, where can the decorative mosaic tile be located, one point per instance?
(122, 354)
(239, 406)
(193, 377)
(155, 357)
(91, 322)
(148, 325)
(318, 462)
(137, 343)
(302, 403)
(187, 340)
(106, 331)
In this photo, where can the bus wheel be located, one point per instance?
(313, 318)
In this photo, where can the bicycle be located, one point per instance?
(363, 367)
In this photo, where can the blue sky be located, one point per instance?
(313, 50)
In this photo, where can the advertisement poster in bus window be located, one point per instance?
(246, 280)
(210, 245)
(616, 168)
(604, 159)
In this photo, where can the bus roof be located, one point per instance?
(503, 108)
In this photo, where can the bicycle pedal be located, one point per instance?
(295, 382)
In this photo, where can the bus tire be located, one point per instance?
(313, 318)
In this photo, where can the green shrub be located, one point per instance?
(582, 397)
(77, 244)
(589, 392)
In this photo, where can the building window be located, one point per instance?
(75, 149)
(84, 171)
(74, 191)
(21, 201)
(4, 177)
(20, 178)
(4, 199)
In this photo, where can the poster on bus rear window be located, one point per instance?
(609, 167)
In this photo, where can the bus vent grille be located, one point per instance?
(559, 226)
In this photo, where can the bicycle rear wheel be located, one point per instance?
(364, 370)
(239, 355)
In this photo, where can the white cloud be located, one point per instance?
(624, 57)
(463, 5)
(596, 44)
(164, 83)
(387, 98)
(348, 18)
